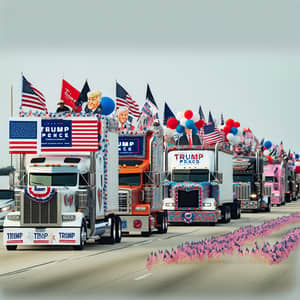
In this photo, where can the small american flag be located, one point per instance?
(23, 137)
(212, 135)
(84, 137)
(123, 99)
(32, 97)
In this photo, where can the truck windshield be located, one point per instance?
(6, 194)
(190, 175)
(269, 179)
(242, 178)
(130, 179)
(58, 179)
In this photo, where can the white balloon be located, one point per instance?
(230, 137)
(266, 152)
(240, 131)
(195, 117)
(179, 115)
(236, 139)
(182, 121)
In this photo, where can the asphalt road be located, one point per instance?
(119, 271)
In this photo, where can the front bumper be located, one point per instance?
(188, 217)
(41, 236)
(135, 224)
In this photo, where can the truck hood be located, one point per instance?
(187, 185)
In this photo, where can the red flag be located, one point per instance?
(69, 94)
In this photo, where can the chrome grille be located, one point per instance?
(124, 201)
(268, 190)
(40, 214)
(187, 199)
(17, 198)
(242, 191)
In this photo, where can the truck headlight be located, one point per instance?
(5, 208)
(68, 218)
(13, 217)
(253, 196)
(207, 204)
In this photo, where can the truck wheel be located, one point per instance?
(11, 247)
(118, 229)
(226, 214)
(228, 218)
(83, 237)
(236, 210)
(162, 220)
(111, 239)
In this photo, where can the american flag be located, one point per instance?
(123, 99)
(212, 135)
(23, 137)
(84, 136)
(149, 111)
(32, 97)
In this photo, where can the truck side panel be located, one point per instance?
(226, 188)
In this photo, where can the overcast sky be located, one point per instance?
(238, 57)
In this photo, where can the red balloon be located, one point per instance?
(226, 129)
(230, 123)
(199, 124)
(172, 123)
(188, 114)
(270, 159)
(236, 124)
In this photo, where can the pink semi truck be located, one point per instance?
(275, 181)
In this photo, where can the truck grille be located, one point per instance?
(40, 213)
(242, 191)
(188, 199)
(268, 190)
(124, 201)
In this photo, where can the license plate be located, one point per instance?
(124, 224)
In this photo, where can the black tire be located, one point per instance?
(118, 229)
(236, 210)
(268, 209)
(226, 214)
(162, 220)
(83, 237)
(111, 239)
(11, 247)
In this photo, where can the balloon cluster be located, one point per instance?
(185, 120)
(268, 147)
(232, 131)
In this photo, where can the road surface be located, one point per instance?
(119, 271)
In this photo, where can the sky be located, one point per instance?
(236, 57)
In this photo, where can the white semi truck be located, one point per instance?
(65, 197)
(199, 186)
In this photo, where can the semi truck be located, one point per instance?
(141, 177)
(199, 186)
(67, 190)
(275, 181)
(248, 185)
(6, 193)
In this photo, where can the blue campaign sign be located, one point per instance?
(132, 146)
(56, 133)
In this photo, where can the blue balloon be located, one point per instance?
(180, 129)
(195, 130)
(297, 156)
(234, 130)
(190, 124)
(267, 144)
(108, 106)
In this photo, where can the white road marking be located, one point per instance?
(143, 276)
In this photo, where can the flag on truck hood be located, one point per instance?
(123, 99)
(69, 94)
(32, 97)
(168, 114)
(23, 136)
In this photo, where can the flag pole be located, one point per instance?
(11, 114)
